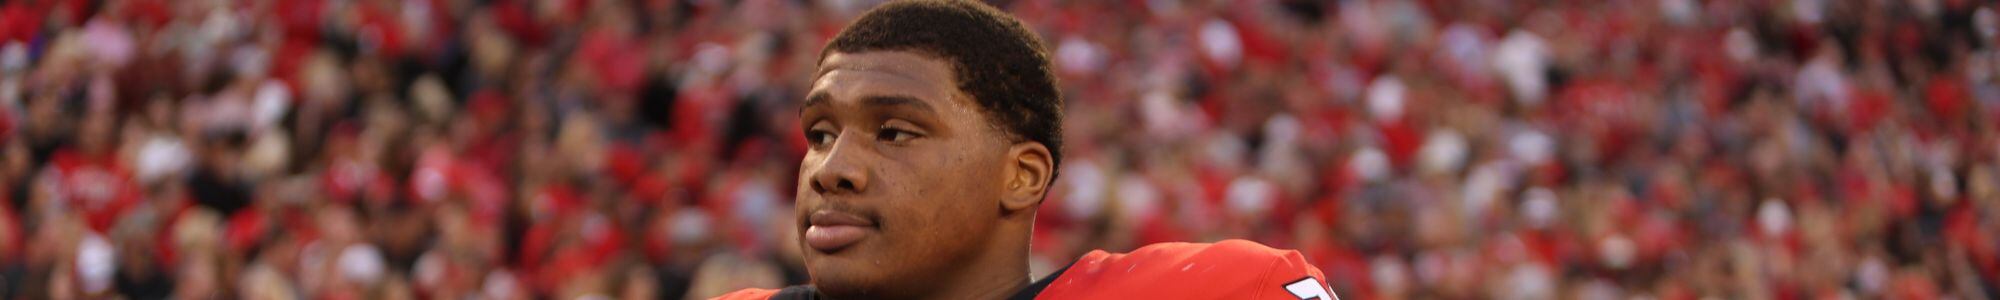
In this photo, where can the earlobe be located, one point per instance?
(1030, 164)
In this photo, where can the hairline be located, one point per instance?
(958, 87)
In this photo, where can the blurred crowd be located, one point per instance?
(645, 149)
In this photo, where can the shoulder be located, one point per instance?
(1230, 269)
(1229, 250)
(796, 292)
(747, 294)
(1228, 257)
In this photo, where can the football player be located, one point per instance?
(935, 132)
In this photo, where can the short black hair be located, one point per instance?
(998, 61)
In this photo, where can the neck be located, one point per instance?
(987, 287)
(994, 274)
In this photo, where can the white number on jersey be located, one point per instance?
(1309, 288)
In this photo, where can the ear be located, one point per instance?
(1029, 168)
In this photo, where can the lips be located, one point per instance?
(830, 231)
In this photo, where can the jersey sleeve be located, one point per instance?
(747, 294)
(1301, 279)
(1232, 269)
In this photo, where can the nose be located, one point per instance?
(842, 170)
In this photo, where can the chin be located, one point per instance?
(842, 277)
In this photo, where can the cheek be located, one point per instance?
(806, 199)
(803, 200)
(950, 199)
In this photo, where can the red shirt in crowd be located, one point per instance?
(93, 184)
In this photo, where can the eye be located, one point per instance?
(893, 135)
(820, 138)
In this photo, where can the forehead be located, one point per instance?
(848, 76)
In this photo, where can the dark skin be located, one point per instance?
(929, 199)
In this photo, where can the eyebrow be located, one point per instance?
(822, 98)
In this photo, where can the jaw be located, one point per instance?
(850, 271)
(846, 280)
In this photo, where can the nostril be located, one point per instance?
(817, 187)
(847, 185)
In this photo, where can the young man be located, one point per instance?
(935, 131)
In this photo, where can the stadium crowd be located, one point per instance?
(512, 149)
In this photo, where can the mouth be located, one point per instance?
(830, 231)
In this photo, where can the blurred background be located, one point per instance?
(511, 149)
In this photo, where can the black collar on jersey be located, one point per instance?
(1035, 288)
(797, 292)
(807, 292)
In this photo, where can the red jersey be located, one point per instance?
(1231, 269)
